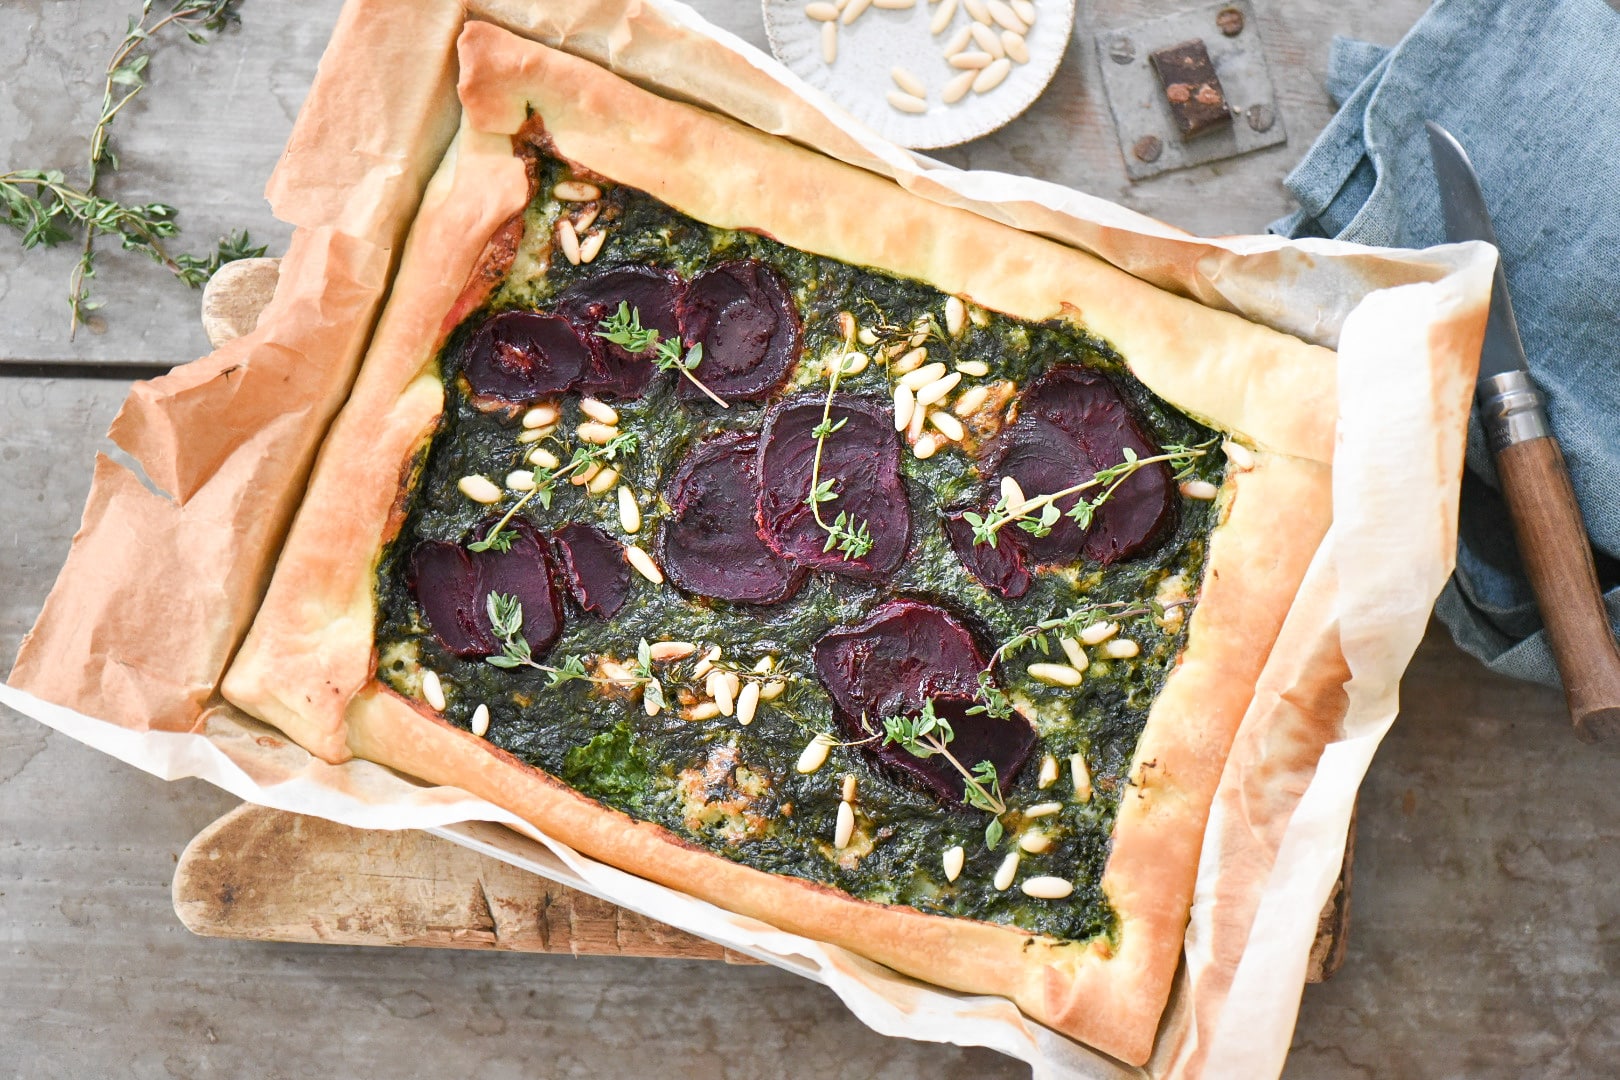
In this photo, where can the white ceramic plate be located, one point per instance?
(879, 40)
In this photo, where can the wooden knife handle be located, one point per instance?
(1558, 560)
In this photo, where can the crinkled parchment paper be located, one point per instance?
(160, 587)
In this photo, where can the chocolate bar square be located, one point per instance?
(1192, 88)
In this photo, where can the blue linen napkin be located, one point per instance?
(1532, 89)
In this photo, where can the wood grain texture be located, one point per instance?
(1557, 559)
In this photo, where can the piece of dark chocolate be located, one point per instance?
(1192, 88)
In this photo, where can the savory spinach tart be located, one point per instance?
(847, 560)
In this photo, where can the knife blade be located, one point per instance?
(1534, 479)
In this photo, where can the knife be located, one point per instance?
(1535, 481)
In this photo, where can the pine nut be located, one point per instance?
(1014, 44)
(520, 480)
(772, 690)
(643, 564)
(992, 76)
(1198, 489)
(651, 704)
(533, 435)
(576, 191)
(925, 447)
(1006, 872)
(584, 220)
(1012, 494)
(936, 391)
(955, 310)
(600, 411)
(1121, 649)
(894, 5)
(953, 859)
(971, 401)
(955, 44)
(480, 489)
(909, 361)
(914, 429)
(585, 475)
(629, 512)
(1077, 656)
(568, 239)
(846, 326)
(598, 434)
(664, 651)
(847, 363)
(978, 10)
(543, 458)
(908, 82)
(918, 378)
(942, 17)
(704, 710)
(617, 674)
(906, 103)
(433, 690)
(948, 426)
(765, 665)
(1055, 674)
(1238, 454)
(853, 10)
(540, 416)
(1005, 17)
(702, 667)
(905, 403)
(988, 39)
(1044, 809)
(1034, 841)
(866, 336)
(1025, 10)
(957, 87)
(591, 246)
(814, 755)
(748, 702)
(972, 61)
(1098, 632)
(829, 42)
(480, 720)
(725, 691)
(1081, 777)
(603, 482)
(1049, 772)
(846, 826)
(822, 12)
(1047, 888)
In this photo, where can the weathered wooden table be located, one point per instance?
(1485, 938)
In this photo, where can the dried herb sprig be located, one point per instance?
(545, 485)
(623, 328)
(47, 210)
(849, 534)
(928, 734)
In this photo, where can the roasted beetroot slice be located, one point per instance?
(598, 576)
(710, 542)
(519, 356)
(904, 654)
(1089, 406)
(1043, 458)
(862, 459)
(746, 321)
(654, 294)
(445, 582)
(523, 571)
(1001, 568)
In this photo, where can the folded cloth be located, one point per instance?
(1529, 88)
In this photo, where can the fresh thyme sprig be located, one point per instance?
(624, 329)
(47, 210)
(849, 534)
(994, 700)
(506, 619)
(985, 527)
(545, 484)
(928, 734)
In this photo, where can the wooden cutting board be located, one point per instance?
(267, 875)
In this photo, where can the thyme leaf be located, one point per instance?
(928, 734)
(623, 328)
(849, 534)
(545, 484)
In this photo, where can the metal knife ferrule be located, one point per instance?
(1512, 410)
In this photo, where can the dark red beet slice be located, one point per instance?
(1000, 568)
(453, 585)
(862, 459)
(594, 562)
(710, 543)
(519, 356)
(1088, 405)
(745, 319)
(654, 294)
(1043, 458)
(904, 654)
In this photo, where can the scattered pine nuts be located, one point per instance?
(942, 17)
(1025, 11)
(603, 482)
(992, 76)
(665, 651)
(1014, 44)
(955, 310)
(568, 240)
(600, 411)
(433, 690)
(894, 5)
(480, 489)
(1238, 454)
(772, 690)
(948, 425)
(829, 42)
(937, 390)
(617, 674)
(576, 191)
(958, 86)
(629, 512)
(544, 458)
(1049, 772)
(520, 480)
(652, 705)
(853, 10)
(704, 710)
(585, 475)
(480, 720)
(846, 826)
(925, 447)
(866, 336)
(597, 433)
(702, 667)
(591, 246)
(909, 361)
(584, 220)
(988, 40)
(953, 859)
(1077, 655)
(971, 400)
(1098, 632)
(914, 429)
(975, 62)
(977, 368)
(531, 435)
(955, 44)
(748, 702)
(905, 403)
(908, 82)
(1121, 649)
(814, 755)
(1006, 872)
(1034, 841)
(978, 10)
(723, 687)
(918, 378)
(906, 103)
(1081, 776)
(1198, 489)
(1055, 674)
(822, 12)
(846, 326)
(1006, 17)
(1047, 888)
(1043, 809)
(1012, 494)
(540, 416)
(850, 785)
(643, 564)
